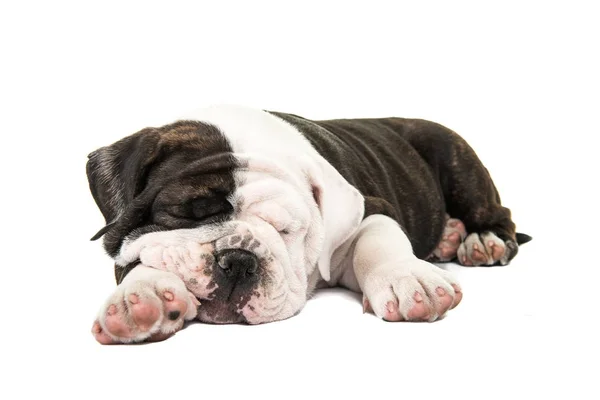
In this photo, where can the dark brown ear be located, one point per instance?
(117, 174)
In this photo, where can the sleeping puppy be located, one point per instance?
(236, 215)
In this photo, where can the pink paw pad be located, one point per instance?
(496, 251)
(101, 336)
(420, 310)
(454, 234)
(144, 314)
(114, 323)
(478, 254)
(392, 312)
(444, 301)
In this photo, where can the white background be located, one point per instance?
(518, 81)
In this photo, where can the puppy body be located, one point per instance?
(252, 209)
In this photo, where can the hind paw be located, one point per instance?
(485, 249)
(453, 236)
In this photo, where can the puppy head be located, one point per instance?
(148, 181)
(242, 228)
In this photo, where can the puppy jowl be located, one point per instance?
(235, 215)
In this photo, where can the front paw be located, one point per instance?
(412, 290)
(149, 305)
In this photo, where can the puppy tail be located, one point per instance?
(523, 238)
(102, 231)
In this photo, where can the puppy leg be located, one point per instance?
(149, 305)
(470, 196)
(395, 284)
(473, 199)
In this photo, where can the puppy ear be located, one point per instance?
(117, 173)
(341, 206)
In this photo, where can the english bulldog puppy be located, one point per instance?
(236, 215)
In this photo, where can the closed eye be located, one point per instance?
(279, 226)
(201, 209)
(209, 207)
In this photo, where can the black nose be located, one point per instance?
(238, 264)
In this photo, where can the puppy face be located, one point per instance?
(253, 222)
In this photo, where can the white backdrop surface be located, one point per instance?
(518, 80)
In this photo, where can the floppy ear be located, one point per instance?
(117, 174)
(341, 206)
